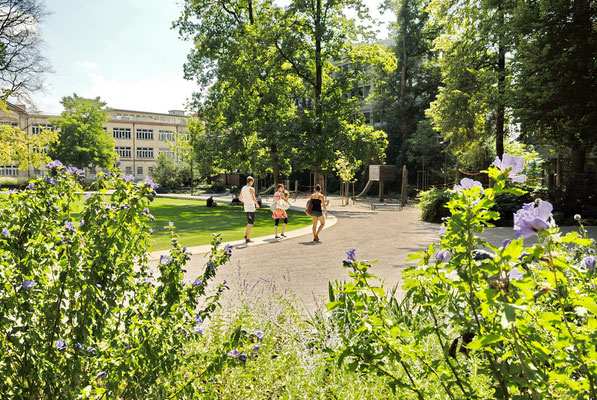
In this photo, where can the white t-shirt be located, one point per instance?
(247, 198)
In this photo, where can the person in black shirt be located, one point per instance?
(318, 201)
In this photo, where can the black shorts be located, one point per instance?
(277, 220)
(250, 217)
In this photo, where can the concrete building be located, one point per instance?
(139, 137)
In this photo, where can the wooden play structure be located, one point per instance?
(381, 174)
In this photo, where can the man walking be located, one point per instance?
(247, 197)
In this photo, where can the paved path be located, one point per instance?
(299, 268)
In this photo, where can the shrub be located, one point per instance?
(511, 321)
(432, 203)
(82, 314)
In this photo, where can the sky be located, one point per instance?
(123, 51)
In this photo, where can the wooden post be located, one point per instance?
(404, 194)
(353, 197)
(380, 189)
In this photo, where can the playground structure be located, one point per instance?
(380, 174)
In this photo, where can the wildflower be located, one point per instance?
(79, 346)
(151, 218)
(97, 285)
(210, 266)
(530, 220)
(506, 242)
(27, 284)
(51, 181)
(198, 320)
(170, 224)
(215, 234)
(165, 260)
(76, 172)
(30, 186)
(91, 350)
(256, 350)
(441, 255)
(515, 274)
(5, 232)
(242, 358)
(514, 165)
(60, 345)
(54, 165)
(127, 346)
(69, 226)
(128, 178)
(259, 335)
(577, 217)
(197, 282)
(145, 211)
(87, 196)
(81, 222)
(198, 330)
(148, 279)
(233, 354)
(151, 184)
(442, 230)
(352, 254)
(589, 263)
(228, 249)
(101, 375)
(467, 183)
(118, 163)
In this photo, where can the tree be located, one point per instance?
(21, 63)
(557, 75)
(83, 141)
(472, 102)
(403, 94)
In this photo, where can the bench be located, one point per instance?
(391, 206)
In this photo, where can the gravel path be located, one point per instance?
(301, 269)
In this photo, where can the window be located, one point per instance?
(166, 135)
(121, 133)
(105, 128)
(36, 129)
(129, 170)
(9, 170)
(145, 134)
(140, 170)
(150, 170)
(367, 116)
(366, 91)
(123, 152)
(13, 124)
(36, 171)
(168, 152)
(144, 152)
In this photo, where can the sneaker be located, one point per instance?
(248, 241)
(283, 235)
(277, 237)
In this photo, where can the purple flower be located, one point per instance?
(165, 260)
(128, 178)
(87, 196)
(145, 211)
(82, 222)
(256, 350)
(54, 165)
(79, 346)
(589, 263)
(242, 358)
(233, 354)
(198, 330)
(118, 163)
(27, 284)
(148, 279)
(515, 274)
(210, 265)
(97, 285)
(91, 350)
(530, 220)
(60, 345)
(151, 218)
(352, 254)
(468, 183)
(151, 184)
(259, 335)
(228, 249)
(506, 242)
(51, 181)
(69, 226)
(101, 375)
(198, 320)
(441, 255)
(513, 164)
(197, 282)
(170, 224)
(5, 232)
(30, 186)
(76, 172)
(442, 230)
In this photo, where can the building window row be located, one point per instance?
(121, 133)
(168, 152)
(166, 135)
(145, 134)
(123, 152)
(38, 128)
(13, 124)
(144, 152)
(9, 170)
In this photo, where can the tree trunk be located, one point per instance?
(275, 163)
(501, 71)
(578, 158)
(403, 121)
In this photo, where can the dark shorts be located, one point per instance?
(316, 213)
(250, 217)
(277, 220)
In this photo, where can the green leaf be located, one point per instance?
(486, 340)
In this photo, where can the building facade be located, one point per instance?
(139, 137)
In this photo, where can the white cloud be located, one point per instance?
(86, 64)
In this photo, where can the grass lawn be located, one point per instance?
(194, 222)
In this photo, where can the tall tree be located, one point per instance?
(476, 93)
(21, 62)
(83, 141)
(402, 95)
(557, 75)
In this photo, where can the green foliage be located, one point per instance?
(83, 316)
(514, 322)
(83, 142)
(170, 174)
(432, 203)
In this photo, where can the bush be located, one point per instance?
(477, 320)
(82, 314)
(432, 203)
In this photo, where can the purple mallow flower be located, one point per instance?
(514, 163)
(87, 196)
(170, 224)
(197, 282)
(101, 375)
(27, 284)
(198, 320)
(468, 183)
(128, 178)
(5, 232)
(228, 249)
(530, 220)
(352, 254)
(515, 274)
(506, 242)
(442, 230)
(145, 211)
(198, 330)
(69, 226)
(91, 350)
(55, 165)
(51, 181)
(233, 354)
(165, 260)
(589, 263)
(60, 345)
(441, 255)
(259, 335)
(256, 350)
(151, 184)
(30, 186)
(79, 346)
(242, 358)
(76, 172)
(118, 163)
